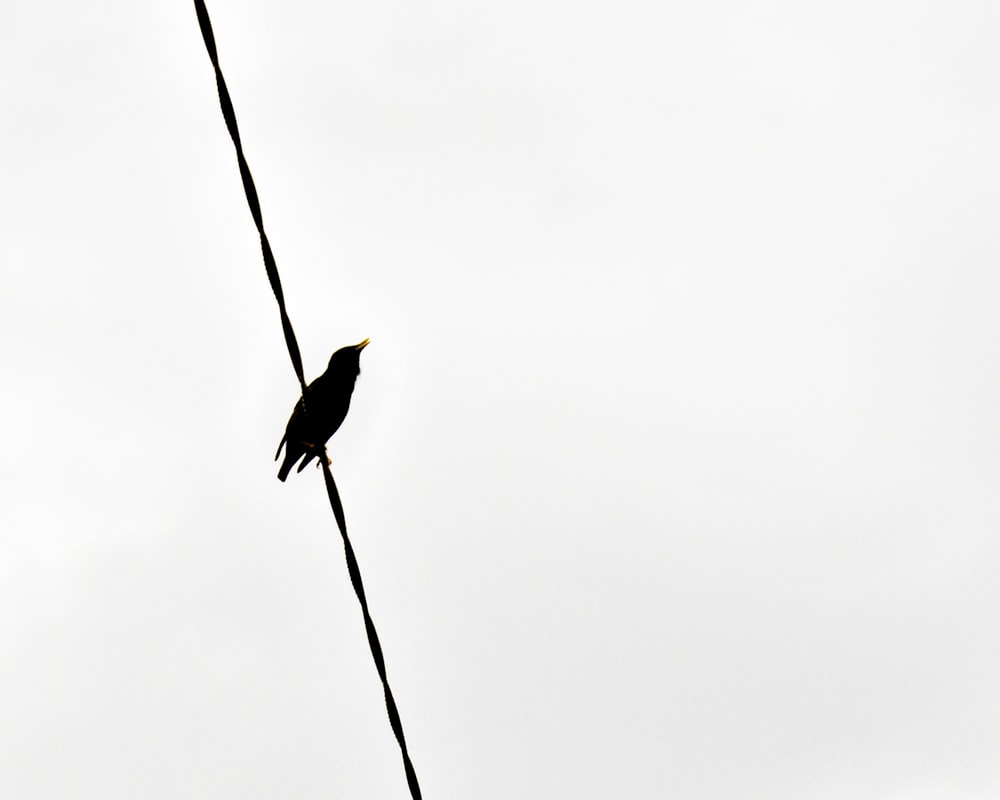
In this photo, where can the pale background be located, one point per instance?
(673, 465)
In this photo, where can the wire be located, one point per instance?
(251, 192)
(352, 568)
(271, 267)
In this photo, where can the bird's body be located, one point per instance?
(327, 401)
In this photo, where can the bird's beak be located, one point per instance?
(362, 345)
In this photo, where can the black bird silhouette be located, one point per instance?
(327, 400)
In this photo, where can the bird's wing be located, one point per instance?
(291, 423)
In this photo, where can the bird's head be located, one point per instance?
(347, 360)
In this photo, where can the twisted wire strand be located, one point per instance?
(226, 104)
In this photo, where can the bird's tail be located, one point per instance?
(292, 455)
(286, 467)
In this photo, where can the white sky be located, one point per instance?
(673, 465)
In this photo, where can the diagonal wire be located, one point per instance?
(251, 192)
(293, 351)
(373, 642)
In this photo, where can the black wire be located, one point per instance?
(251, 192)
(373, 642)
(293, 351)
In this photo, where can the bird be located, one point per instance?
(327, 400)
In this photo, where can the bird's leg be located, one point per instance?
(310, 447)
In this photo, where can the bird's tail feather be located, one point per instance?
(286, 467)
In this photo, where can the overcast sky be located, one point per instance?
(673, 465)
